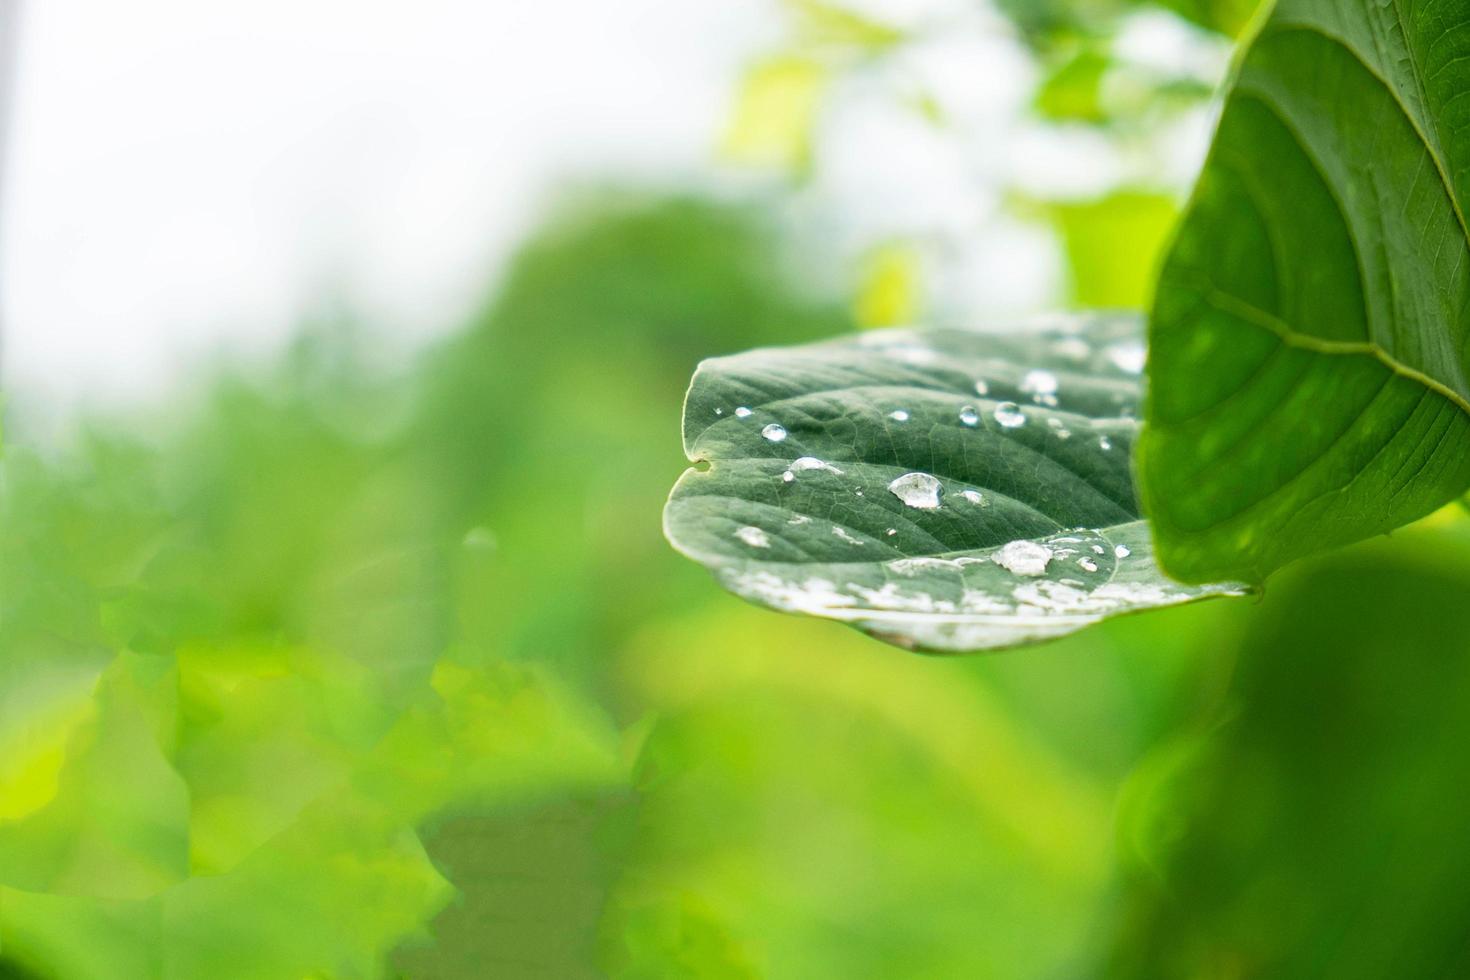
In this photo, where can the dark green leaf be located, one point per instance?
(942, 490)
(1311, 335)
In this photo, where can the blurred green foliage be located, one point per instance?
(345, 672)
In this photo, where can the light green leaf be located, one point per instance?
(1310, 362)
(942, 490)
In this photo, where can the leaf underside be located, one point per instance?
(798, 508)
(1310, 341)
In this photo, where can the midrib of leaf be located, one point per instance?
(1230, 303)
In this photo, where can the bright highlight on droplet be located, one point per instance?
(918, 490)
(1009, 415)
(754, 537)
(969, 416)
(774, 432)
(1128, 357)
(1028, 558)
(1039, 383)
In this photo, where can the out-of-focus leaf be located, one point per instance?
(1072, 91)
(1309, 369)
(776, 114)
(1227, 17)
(942, 490)
(534, 882)
(1046, 23)
(1113, 245)
(1315, 829)
(831, 23)
(891, 287)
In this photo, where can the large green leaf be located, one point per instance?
(942, 490)
(1310, 342)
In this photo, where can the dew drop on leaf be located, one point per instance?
(1128, 357)
(754, 537)
(1024, 558)
(1009, 415)
(969, 416)
(743, 413)
(974, 497)
(774, 432)
(899, 415)
(918, 490)
(812, 463)
(1122, 551)
(1040, 385)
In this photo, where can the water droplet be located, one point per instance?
(1009, 415)
(1122, 551)
(1064, 433)
(788, 477)
(719, 411)
(842, 533)
(743, 413)
(1087, 564)
(982, 389)
(799, 519)
(974, 497)
(969, 416)
(1104, 443)
(1024, 558)
(1040, 385)
(1098, 549)
(812, 463)
(899, 415)
(918, 490)
(774, 432)
(754, 537)
(859, 491)
(1128, 357)
(891, 531)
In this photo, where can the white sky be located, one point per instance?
(184, 174)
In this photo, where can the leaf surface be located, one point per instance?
(1310, 340)
(943, 490)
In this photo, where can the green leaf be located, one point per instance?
(1311, 334)
(942, 490)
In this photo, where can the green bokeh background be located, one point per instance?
(350, 672)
